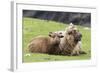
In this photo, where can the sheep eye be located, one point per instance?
(51, 35)
(61, 36)
(60, 33)
(74, 30)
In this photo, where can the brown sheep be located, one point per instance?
(49, 45)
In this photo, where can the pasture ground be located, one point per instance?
(33, 27)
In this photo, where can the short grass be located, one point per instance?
(34, 27)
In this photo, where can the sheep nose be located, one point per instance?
(79, 36)
(57, 38)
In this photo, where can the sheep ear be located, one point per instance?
(50, 34)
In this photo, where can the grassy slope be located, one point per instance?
(35, 27)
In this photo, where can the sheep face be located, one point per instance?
(75, 34)
(55, 37)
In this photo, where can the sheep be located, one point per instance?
(67, 44)
(70, 41)
(48, 45)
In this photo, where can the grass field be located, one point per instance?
(34, 27)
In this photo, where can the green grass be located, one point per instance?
(35, 27)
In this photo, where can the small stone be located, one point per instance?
(27, 54)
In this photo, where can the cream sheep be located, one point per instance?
(71, 42)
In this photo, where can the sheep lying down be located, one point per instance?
(71, 42)
(66, 42)
(43, 44)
